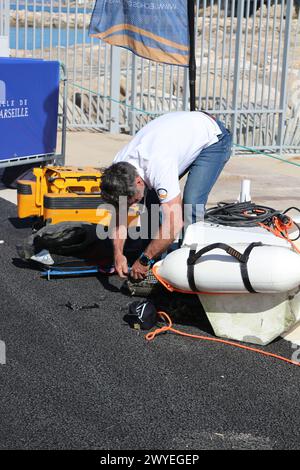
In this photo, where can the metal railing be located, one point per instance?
(4, 17)
(248, 70)
(4, 28)
(243, 68)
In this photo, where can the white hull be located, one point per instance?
(272, 268)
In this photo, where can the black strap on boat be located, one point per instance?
(242, 258)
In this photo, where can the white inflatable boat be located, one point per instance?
(218, 259)
(247, 280)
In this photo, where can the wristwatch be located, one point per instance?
(146, 261)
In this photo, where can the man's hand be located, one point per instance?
(138, 271)
(121, 265)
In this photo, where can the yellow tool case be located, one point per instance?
(60, 194)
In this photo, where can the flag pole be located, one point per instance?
(192, 61)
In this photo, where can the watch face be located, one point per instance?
(144, 260)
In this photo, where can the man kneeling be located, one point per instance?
(154, 160)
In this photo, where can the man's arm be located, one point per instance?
(170, 228)
(172, 223)
(119, 238)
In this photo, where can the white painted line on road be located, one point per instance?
(9, 195)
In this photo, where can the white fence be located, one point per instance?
(248, 69)
(4, 28)
(4, 17)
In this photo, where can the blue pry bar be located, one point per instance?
(74, 271)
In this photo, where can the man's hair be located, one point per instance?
(118, 180)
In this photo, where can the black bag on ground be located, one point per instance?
(142, 315)
(66, 237)
(63, 238)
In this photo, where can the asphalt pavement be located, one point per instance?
(82, 379)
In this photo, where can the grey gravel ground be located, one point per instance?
(85, 380)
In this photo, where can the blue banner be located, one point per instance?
(153, 29)
(29, 91)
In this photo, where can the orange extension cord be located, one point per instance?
(150, 336)
(281, 230)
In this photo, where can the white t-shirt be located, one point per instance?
(163, 149)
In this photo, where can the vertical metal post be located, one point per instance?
(61, 157)
(132, 111)
(115, 73)
(237, 67)
(64, 114)
(4, 28)
(192, 61)
(186, 90)
(284, 75)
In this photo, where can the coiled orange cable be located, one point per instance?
(281, 230)
(169, 327)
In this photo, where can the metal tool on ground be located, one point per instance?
(142, 288)
(75, 307)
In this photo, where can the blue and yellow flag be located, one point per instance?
(153, 29)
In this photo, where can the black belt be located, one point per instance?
(241, 257)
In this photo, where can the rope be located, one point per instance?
(266, 154)
(169, 327)
(281, 231)
(150, 113)
(116, 101)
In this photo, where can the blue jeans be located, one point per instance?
(203, 173)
